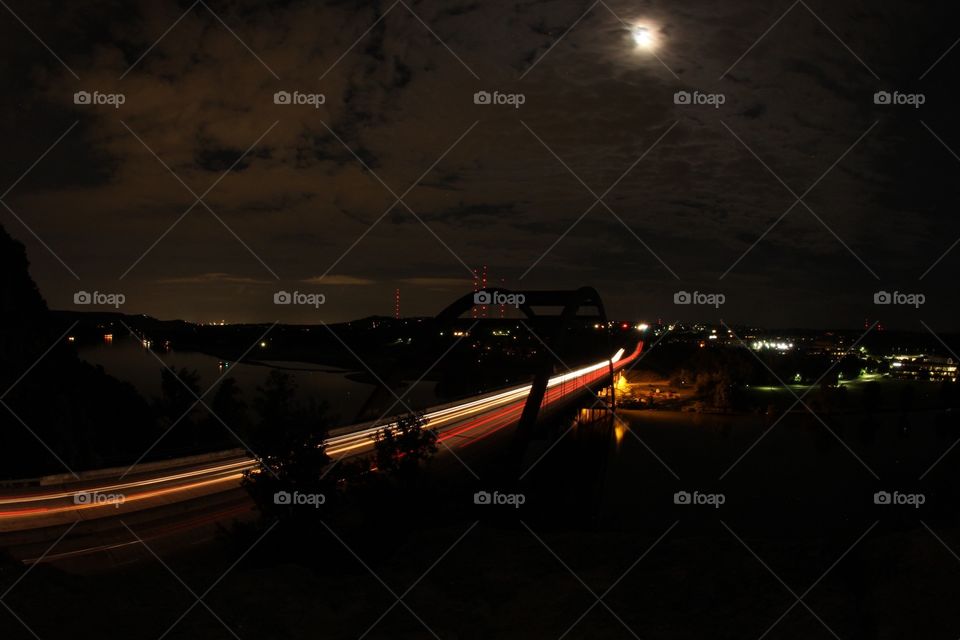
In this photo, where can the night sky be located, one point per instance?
(302, 198)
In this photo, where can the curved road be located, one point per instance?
(109, 494)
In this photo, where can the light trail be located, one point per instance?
(466, 421)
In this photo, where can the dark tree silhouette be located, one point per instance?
(289, 442)
(59, 406)
(402, 450)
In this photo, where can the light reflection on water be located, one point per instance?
(127, 360)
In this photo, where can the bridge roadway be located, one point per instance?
(54, 501)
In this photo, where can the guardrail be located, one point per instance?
(113, 472)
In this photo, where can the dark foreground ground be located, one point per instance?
(599, 549)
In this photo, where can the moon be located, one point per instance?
(643, 37)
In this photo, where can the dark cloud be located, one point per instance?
(302, 200)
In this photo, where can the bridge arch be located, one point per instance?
(570, 301)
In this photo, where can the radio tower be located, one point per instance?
(480, 282)
(502, 306)
(396, 304)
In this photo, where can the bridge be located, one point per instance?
(54, 501)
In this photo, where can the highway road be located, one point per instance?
(111, 493)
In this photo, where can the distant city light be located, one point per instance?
(777, 346)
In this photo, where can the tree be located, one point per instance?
(290, 445)
(401, 450)
(64, 410)
(226, 408)
(178, 394)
